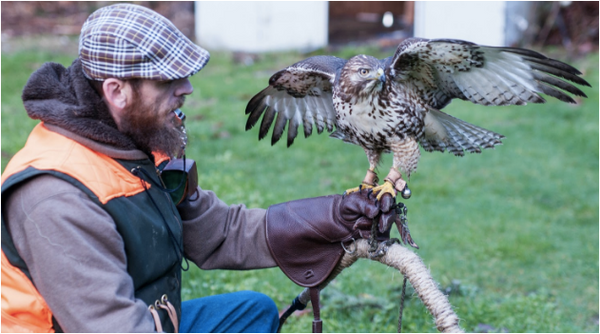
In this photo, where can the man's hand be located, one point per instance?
(389, 213)
(356, 207)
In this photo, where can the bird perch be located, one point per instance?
(413, 268)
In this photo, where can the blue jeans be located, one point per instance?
(238, 312)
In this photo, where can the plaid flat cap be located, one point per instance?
(127, 41)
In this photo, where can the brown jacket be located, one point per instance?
(59, 231)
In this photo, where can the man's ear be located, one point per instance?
(117, 94)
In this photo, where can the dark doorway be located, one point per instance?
(361, 21)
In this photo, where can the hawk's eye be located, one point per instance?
(364, 71)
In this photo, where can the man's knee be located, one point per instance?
(263, 306)
(260, 301)
(243, 311)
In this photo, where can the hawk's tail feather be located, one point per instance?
(445, 132)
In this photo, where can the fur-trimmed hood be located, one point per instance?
(63, 97)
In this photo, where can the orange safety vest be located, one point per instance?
(23, 308)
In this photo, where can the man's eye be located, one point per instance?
(166, 82)
(363, 71)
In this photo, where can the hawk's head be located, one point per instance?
(361, 77)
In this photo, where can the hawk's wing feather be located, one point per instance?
(445, 132)
(440, 70)
(298, 94)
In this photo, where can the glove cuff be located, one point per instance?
(304, 238)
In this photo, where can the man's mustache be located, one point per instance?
(180, 102)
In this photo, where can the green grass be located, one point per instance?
(512, 233)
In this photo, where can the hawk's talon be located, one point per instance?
(386, 188)
(358, 189)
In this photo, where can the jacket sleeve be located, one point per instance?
(75, 256)
(218, 236)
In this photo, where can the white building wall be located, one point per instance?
(481, 22)
(251, 26)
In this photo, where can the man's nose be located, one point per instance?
(183, 87)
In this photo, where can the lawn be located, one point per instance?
(510, 234)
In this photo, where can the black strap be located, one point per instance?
(296, 306)
(317, 325)
(57, 328)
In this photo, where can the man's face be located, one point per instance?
(149, 119)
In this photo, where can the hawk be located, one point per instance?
(394, 104)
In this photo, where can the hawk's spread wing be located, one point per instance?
(301, 93)
(442, 69)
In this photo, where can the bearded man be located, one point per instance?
(93, 240)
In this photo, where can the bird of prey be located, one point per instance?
(394, 104)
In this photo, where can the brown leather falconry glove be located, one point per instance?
(305, 236)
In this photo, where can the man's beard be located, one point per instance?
(141, 122)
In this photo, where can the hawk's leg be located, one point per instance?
(371, 178)
(393, 183)
(406, 156)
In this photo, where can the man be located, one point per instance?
(93, 240)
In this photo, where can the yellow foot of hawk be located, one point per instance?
(393, 184)
(369, 182)
(359, 188)
(386, 188)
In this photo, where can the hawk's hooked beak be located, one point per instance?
(380, 75)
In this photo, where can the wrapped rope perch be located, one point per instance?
(413, 268)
